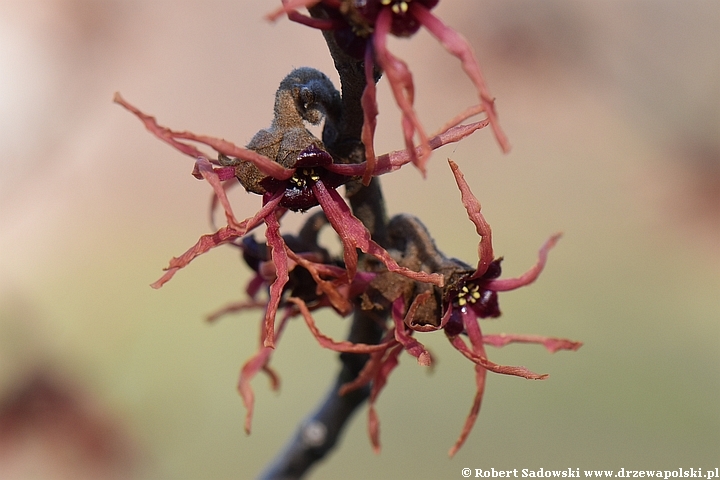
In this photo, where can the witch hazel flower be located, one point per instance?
(475, 296)
(361, 29)
(467, 296)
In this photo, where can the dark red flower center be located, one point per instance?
(472, 294)
(404, 24)
(356, 21)
(309, 169)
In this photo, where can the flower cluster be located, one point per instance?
(389, 270)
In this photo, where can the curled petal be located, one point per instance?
(248, 371)
(461, 117)
(227, 184)
(550, 343)
(523, 372)
(413, 347)
(206, 242)
(289, 6)
(456, 133)
(353, 235)
(223, 173)
(432, 328)
(505, 284)
(329, 343)
(370, 113)
(254, 285)
(222, 236)
(480, 376)
(374, 428)
(392, 161)
(459, 47)
(386, 367)
(280, 260)
(233, 308)
(330, 289)
(476, 340)
(163, 133)
(205, 169)
(472, 205)
(263, 163)
(371, 367)
(319, 23)
(257, 363)
(401, 84)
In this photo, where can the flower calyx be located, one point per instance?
(304, 95)
(309, 169)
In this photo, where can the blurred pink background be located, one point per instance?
(613, 110)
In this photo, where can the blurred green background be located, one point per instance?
(613, 110)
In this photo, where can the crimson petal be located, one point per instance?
(506, 284)
(280, 260)
(386, 367)
(288, 7)
(370, 113)
(256, 363)
(233, 308)
(353, 235)
(263, 163)
(476, 337)
(390, 162)
(223, 235)
(551, 344)
(413, 347)
(522, 372)
(472, 205)
(401, 84)
(329, 343)
(336, 299)
(163, 133)
(371, 367)
(459, 47)
(205, 169)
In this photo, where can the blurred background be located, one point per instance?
(613, 110)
